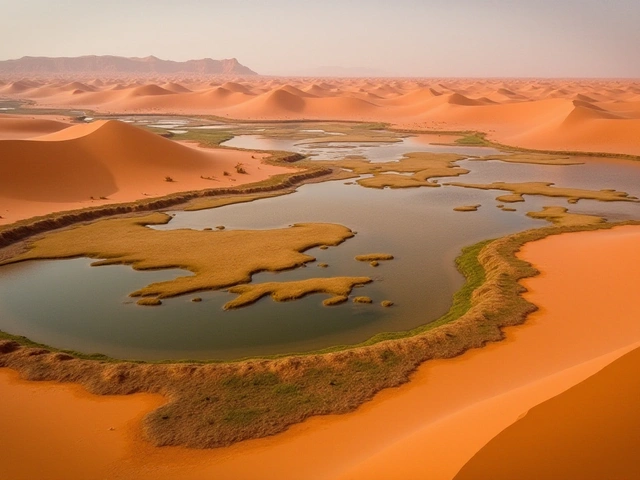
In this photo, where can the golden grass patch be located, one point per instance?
(467, 208)
(337, 300)
(362, 299)
(386, 303)
(561, 216)
(374, 257)
(149, 301)
(423, 165)
(217, 259)
(285, 291)
(548, 189)
(532, 158)
(215, 202)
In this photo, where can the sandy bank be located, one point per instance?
(52, 430)
(430, 427)
(108, 162)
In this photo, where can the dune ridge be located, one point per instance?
(559, 115)
(109, 162)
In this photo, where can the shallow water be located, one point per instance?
(373, 151)
(71, 305)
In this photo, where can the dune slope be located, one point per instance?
(107, 162)
(591, 432)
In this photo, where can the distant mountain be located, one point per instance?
(108, 64)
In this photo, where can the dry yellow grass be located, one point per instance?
(337, 300)
(533, 158)
(386, 303)
(149, 301)
(217, 259)
(467, 208)
(285, 291)
(362, 299)
(561, 216)
(423, 165)
(373, 257)
(214, 202)
(547, 189)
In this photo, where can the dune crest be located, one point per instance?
(570, 115)
(109, 161)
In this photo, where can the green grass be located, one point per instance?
(473, 139)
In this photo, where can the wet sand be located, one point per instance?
(432, 426)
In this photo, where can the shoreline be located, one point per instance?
(400, 425)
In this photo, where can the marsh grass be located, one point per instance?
(561, 216)
(472, 139)
(548, 189)
(423, 165)
(374, 257)
(217, 260)
(467, 208)
(362, 299)
(286, 291)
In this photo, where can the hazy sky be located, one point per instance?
(478, 38)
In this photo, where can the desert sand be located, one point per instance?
(573, 115)
(107, 162)
(430, 427)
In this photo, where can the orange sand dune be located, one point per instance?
(19, 127)
(590, 432)
(57, 431)
(530, 113)
(430, 427)
(110, 159)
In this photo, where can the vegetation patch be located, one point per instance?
(548, 190)
(216, 202)
(472, 139)
(532, 158)
(285, 291)
(422, 165)
(217, 259)
(374, 257)
(467, 208)
(362, 299)
(337, 300)
(561, 216)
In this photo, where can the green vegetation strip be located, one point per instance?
(216, 404)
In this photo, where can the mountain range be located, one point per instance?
(109, 64)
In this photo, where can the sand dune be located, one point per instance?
(589, 432)
(19, 127)
(76, 166)
(540, 114)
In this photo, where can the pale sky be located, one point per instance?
(432, 38)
